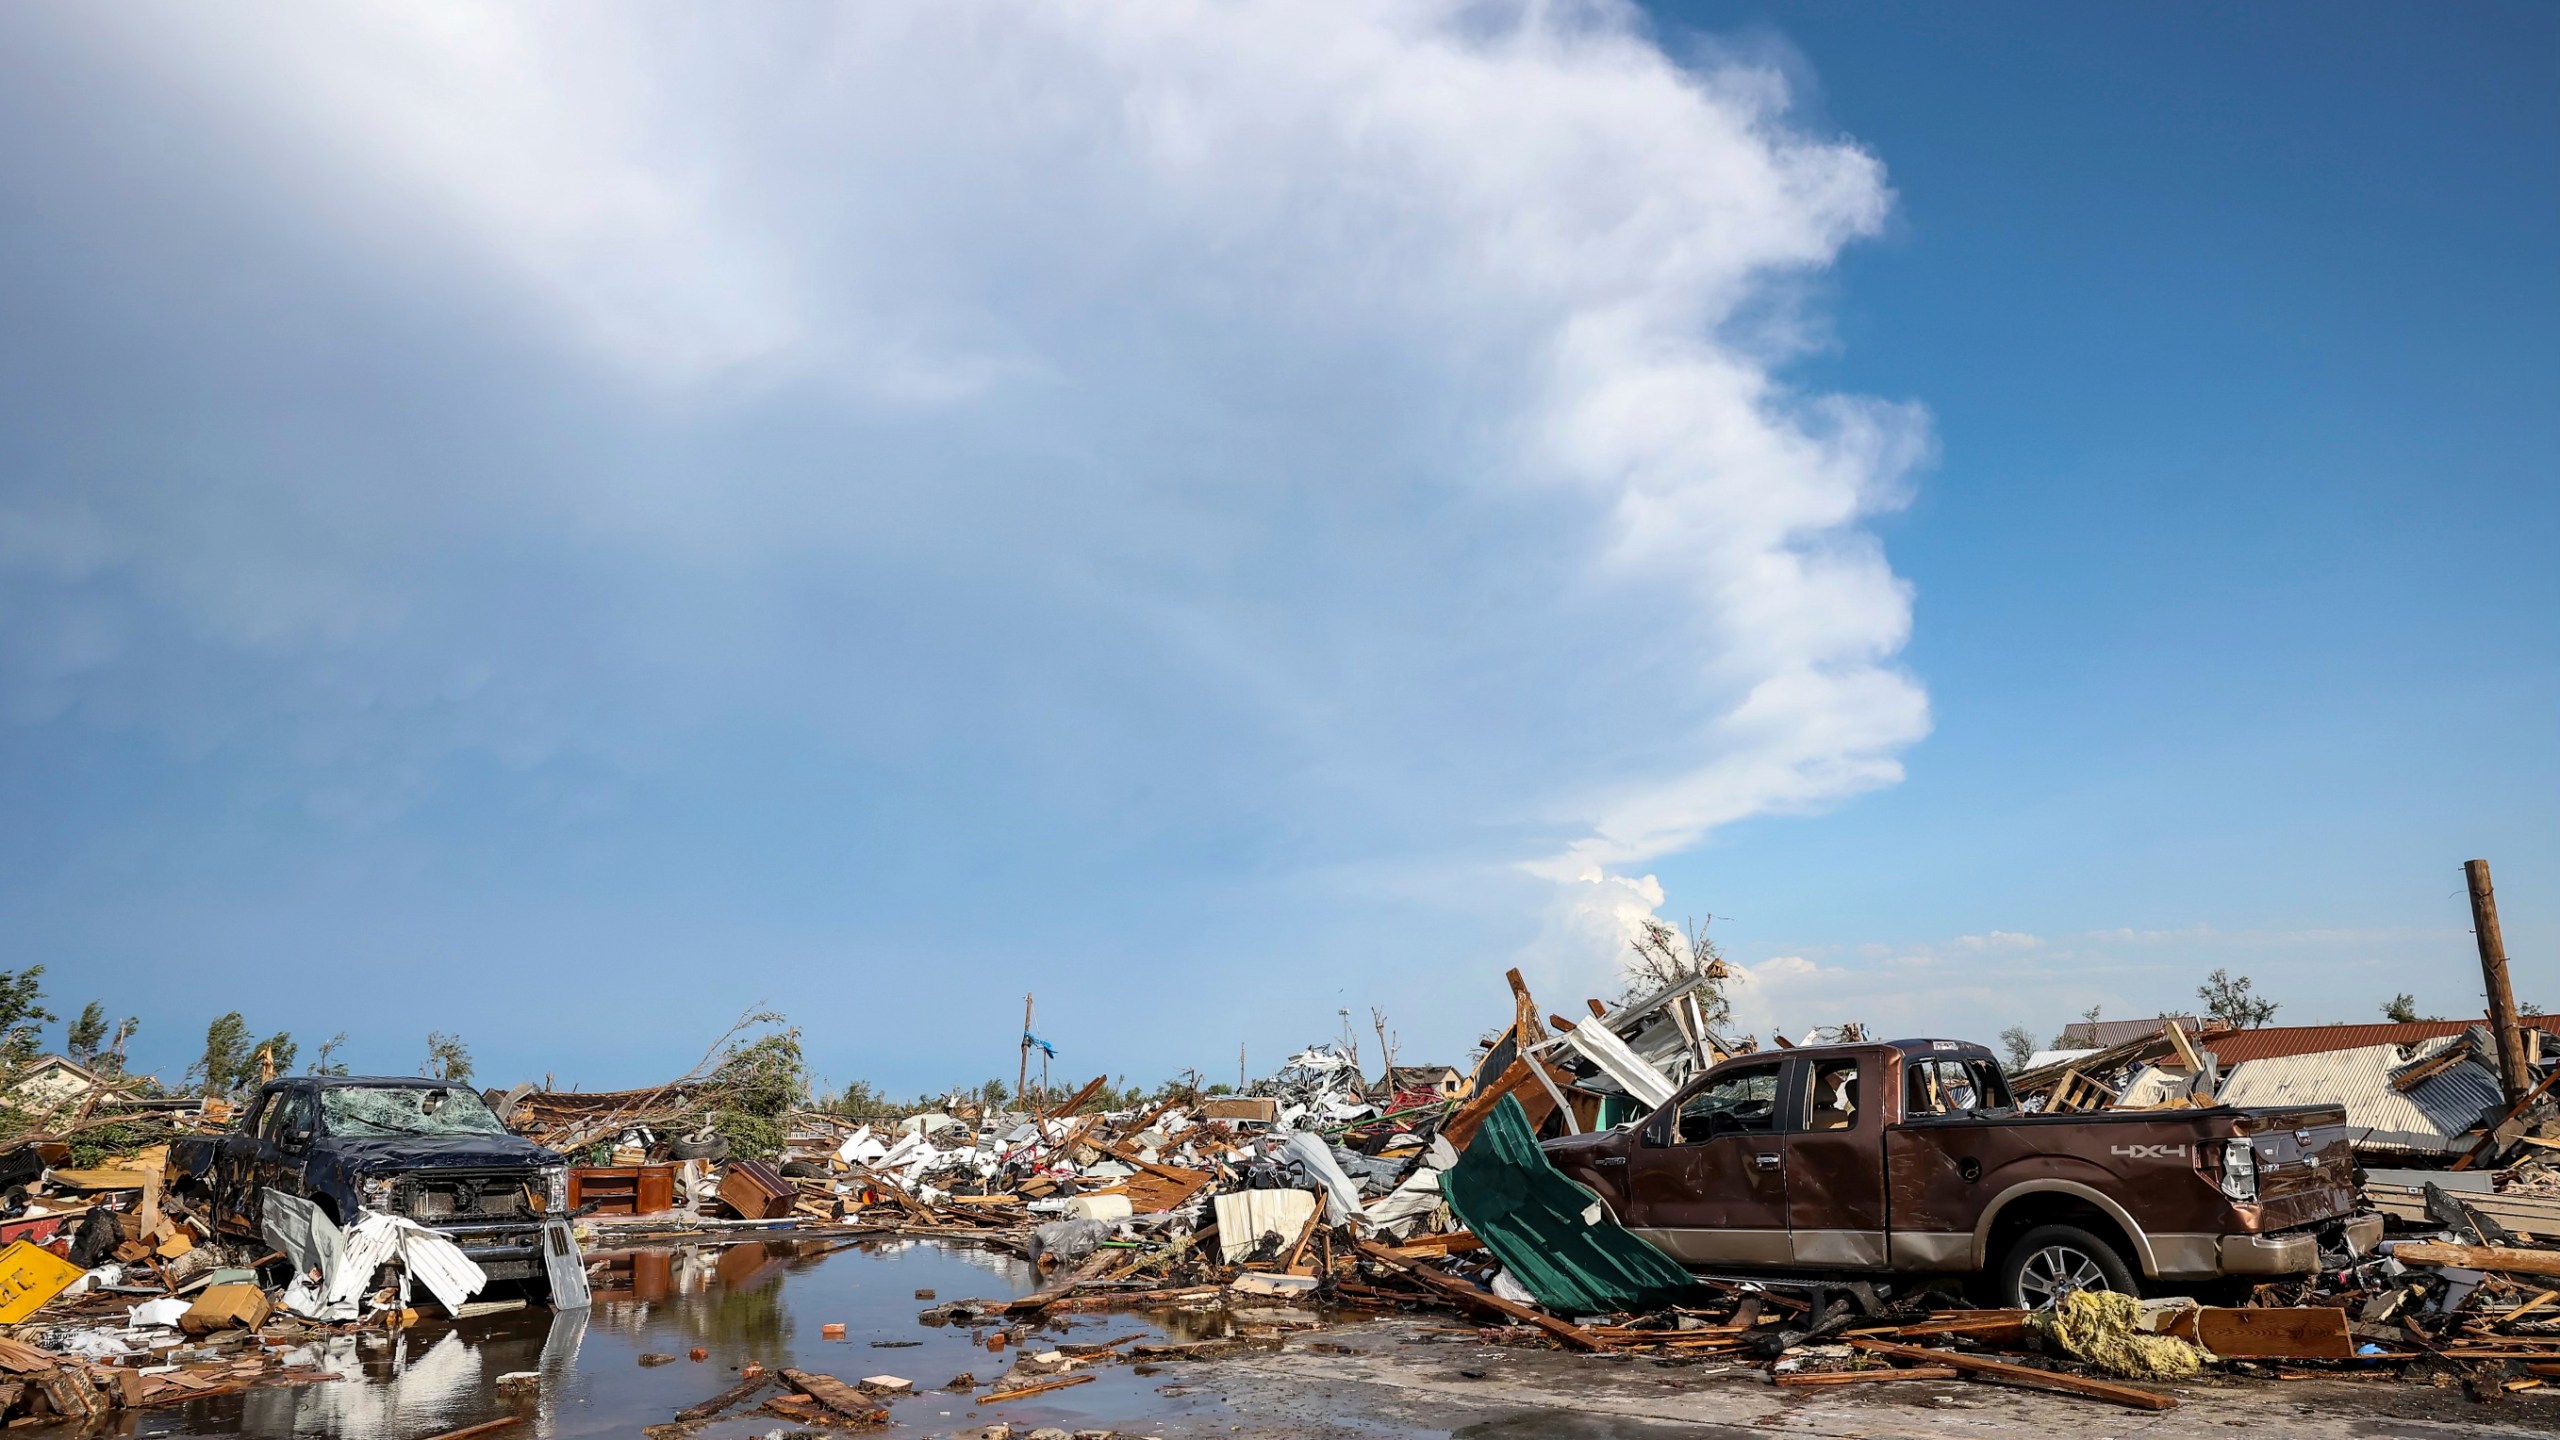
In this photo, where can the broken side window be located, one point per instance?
(1832, 1099)
(1734, 1102)
(1952, 1086)
(366, 1111)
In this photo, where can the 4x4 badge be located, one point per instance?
(2148, 1152)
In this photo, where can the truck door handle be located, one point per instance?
(1765, 1162)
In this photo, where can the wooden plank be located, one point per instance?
(2022, 1375)
(1518, 1077)
(2001, 1329)
(2504, 1259)
(723, 1400)
(831, 1392)
(1865, 1377)
(1456, 1242)
(2273, 1333)
(1466, 1294)
(485, 1427)
(993, 1397)
(1296, 1262)
(1076, 1101)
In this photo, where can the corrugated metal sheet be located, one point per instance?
(2422, 1121)
(2237, 1047)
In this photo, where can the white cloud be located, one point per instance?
(1398, 374)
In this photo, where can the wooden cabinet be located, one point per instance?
(623, 1189)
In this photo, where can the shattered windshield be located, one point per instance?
(404, 1110)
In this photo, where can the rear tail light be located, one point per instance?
(2239, 1169)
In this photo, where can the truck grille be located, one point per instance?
(452, 1197)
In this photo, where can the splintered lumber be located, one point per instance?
(1135, 1298)
(1456, 1242)
(722, 1401)
(1865, 1377)
(2274, 1333)
(1076, 1101)
(1466, 1294)
(2001, 1329)
(2022, 1375)
(993, 1397)
(831, 1392)
(1518, 1076)
(2506, 1259)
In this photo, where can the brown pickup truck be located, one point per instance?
(1908, 1157)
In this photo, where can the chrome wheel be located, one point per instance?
(2056, 1271)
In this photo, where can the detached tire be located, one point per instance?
(2050, 1261)
(713, 1148)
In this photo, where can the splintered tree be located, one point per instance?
(22, 1014)
(87, 1035)
(1661, 957)
(2402, 1009)
(2020, 1044)
(233, 1062)
(2229, 1005)
(327, 1061)
(447, 1058)
(755, 1087)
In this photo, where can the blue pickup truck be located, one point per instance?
(425, 1149)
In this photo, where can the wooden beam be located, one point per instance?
(1864, 1377)
(995, 1397)
(1466, 1294)
(2273, 1333)
(2504, 1026)
(2022, 1375)
(2501, 1258)
(1077, 1099)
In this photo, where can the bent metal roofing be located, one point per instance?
(2274, 1042)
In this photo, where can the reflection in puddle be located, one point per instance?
(761, 1301)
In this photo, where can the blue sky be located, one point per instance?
(560, 526)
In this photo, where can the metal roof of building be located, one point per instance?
(2270, 1042)
(2425, 1119)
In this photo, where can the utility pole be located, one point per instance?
(2514, 1077)
(1239, 1067)
(1022, 1077)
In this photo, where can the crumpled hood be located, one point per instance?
(377, 1154)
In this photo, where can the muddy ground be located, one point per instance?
(1404, 1378)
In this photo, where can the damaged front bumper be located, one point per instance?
(505, 1249)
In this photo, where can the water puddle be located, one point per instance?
(760, 1301)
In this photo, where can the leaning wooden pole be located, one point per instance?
(1022, 1076)
(2514, 1076)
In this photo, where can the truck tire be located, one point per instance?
(2050, 1261)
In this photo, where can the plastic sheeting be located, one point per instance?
(1395, 1214)
(1342, 1193)
(1550, 1233)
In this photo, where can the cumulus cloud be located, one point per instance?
(1367, 411)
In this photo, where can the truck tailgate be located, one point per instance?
(2306, 1166)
